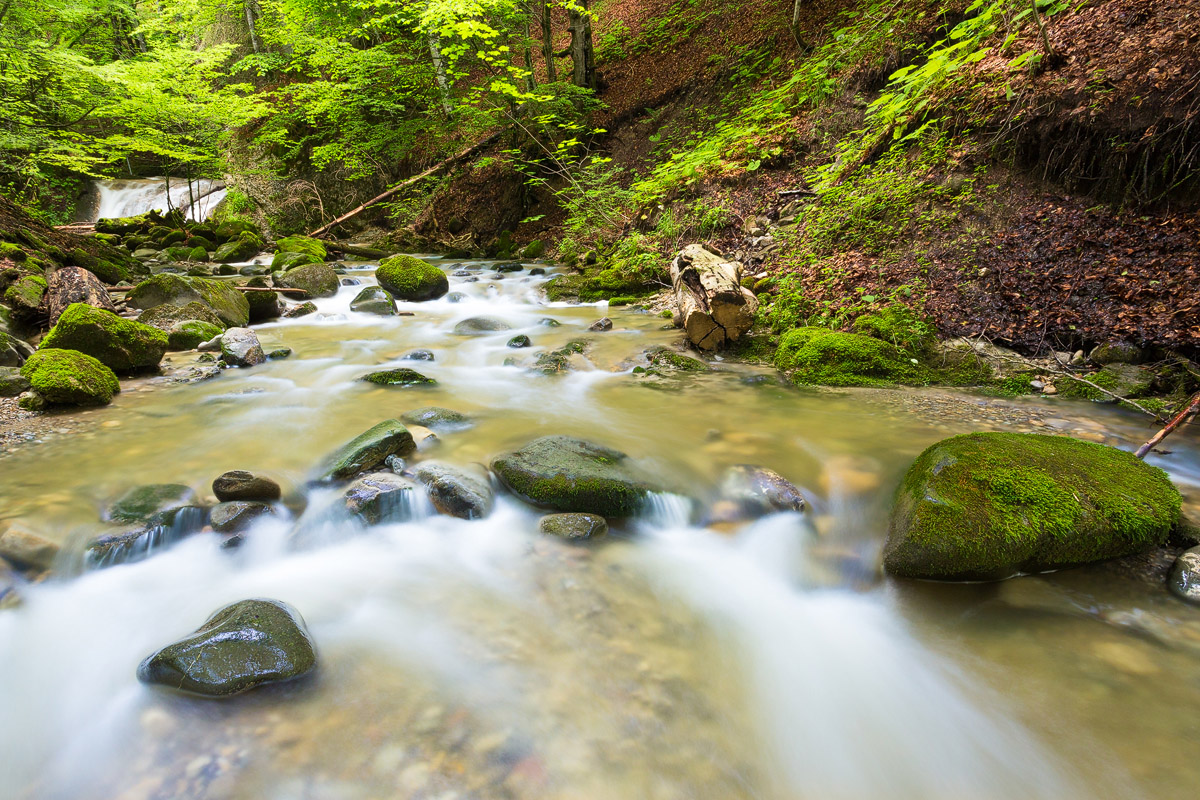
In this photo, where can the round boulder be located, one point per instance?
(70, 378)
(118, 343)
(1184, 581)
(411, 279)
(574, 527)
(374, 300)
(478, 326)
(239, 484)
(454, 492)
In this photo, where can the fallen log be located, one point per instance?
(239, 288)
(74, 285)
(407, 182)
(355, 250)
(1188, 411)
(714, 308)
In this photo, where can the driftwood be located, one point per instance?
(74, 285)
(1188, 411)
(714, 308)
(407, 182)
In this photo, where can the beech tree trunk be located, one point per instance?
(252, 14)
(439, 66)
(548, 44)
(75, 285)
(714, 308)
(582, 56)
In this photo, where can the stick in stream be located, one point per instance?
(1189, 411)
(404, 184)
(239, 288)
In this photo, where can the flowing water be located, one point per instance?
(128, 198)
(480, 660)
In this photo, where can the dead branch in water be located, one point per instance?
(1189, 411)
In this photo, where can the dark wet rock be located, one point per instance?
(511, 266)
(156, 503)
(756, 491)
(13, 351)
(27, 550)
(602, 324)
(454, 492)
(993, 505)
(1184, 581)
(264, 306)
(411, 279)
(549, 322)
(496, 276)
(302, 310)
(574, 527)
(129, 546)
(279, 354)
(369, 450)
(1117, 353)
(537, 271)
(401, 376)
(247, 644)
(240, 348)
(10, 581)
(349, 281)
(519, 341)
(243, 485)
(118, 343)
(190, 334)
(69, 377)
(381, 497)
(455, 297)
(12, 382)
(436, 418)
(374, 300)
(476, 326)
(237, 515)
(315, 280)
(567, 474)
(396, 464)
(419, 355)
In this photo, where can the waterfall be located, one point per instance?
(127, 198)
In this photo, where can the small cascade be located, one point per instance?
(128, 198)
(132, 546)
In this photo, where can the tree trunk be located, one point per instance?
(75, 285)
(548, 44)
(714, 308)
(252, 13)
(439, 66)
(582, 57)
(530, 80)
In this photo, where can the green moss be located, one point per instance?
(70, 377)
(989, 505)
(677, 361)
(245, 247)
(398, 377)
(1122, 379)
(409, 278)
(25, 295)
(534, 249)
(830, 358)
(315, 280)
(189, 334)
(285, 261)
(118, 343)
(302, 244)
(165, 289)
(899, 325)
(12, 252)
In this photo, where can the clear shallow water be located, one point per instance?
(476, 659)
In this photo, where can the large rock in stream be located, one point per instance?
(411, 279)
(986, 506)
(69, 377)
(120, 344)
(453, 492)
(567, 474)
(241, 646)
(240, 348)
(369, 450)
(176, 290)
(315, 280)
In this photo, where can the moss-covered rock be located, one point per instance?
(70, 378)
(373, 300)
(13, 351)
(1118, 377)
(233, 227)
(567, 474)
(263, 305)
(166, 317)
(285, 261)
(315, 280)
(245, 247)
(12, 382)
(369, 450)
(992, 505)
(574, 527)
(225, 301)
(401, 376)
(152, 504)
(244, 645)
(534, 249)
(480, 326)
(831, 358)
(302, 244)
(190, 333)
(412, 279)
(118, 343)
(437, 418)
(24, 295)
(669, 359)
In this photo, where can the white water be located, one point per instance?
(777, 688)
(128, 198)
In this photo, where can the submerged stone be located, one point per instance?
(435, 418)
(992, 505)
(241, 646)
(574, 527)
(153, 503)
(419, 355)
(567, 474)
(476, 326)
(401, 376)
(369, 450)
(27, 550)
(756, 491)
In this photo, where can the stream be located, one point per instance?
(482, 660)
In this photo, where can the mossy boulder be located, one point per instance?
(315, 280)
(69, 377)
(190, 333)
(118, 343)
(302, 244)
(987, 506)
(176, 290)
(121, 224)
(574, 527)
(232, 228)
(831, 358)
(166, 317)
(411, 279)
(369, 450)
(286, 261)
(671, 360)
(1118, 377)
(263, 305)
(534, 249)
(13, 351)
(437, 418)
(24, 295)
(245, 247)
(401, 376)
(373, 300)
(567, 474)
(241, 646)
